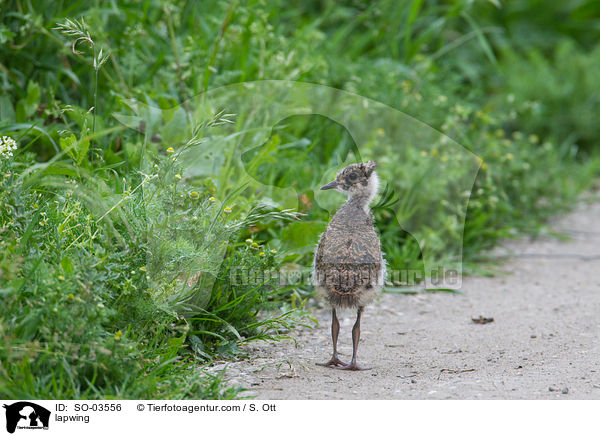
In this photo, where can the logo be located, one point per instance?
(26, 415)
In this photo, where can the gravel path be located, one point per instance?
(543, 343)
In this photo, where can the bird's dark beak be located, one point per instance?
(330, 185)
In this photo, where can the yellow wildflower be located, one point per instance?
(170, 150)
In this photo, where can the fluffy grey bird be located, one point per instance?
(348, 268)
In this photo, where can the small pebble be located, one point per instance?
(565, 391)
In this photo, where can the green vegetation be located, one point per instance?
(116, 261)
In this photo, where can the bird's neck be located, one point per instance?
(360, 200)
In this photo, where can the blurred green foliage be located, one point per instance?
(114, 271)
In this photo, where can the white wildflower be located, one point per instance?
(7, 145)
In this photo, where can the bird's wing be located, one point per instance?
(359, 247)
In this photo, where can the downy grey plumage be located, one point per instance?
(348, 268)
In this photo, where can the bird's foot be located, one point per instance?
(354, 367)
(334, 361)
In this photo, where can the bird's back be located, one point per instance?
(349, 238)
(348, 260)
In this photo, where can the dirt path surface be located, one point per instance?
(544, 342)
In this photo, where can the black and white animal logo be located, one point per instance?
(26, 415)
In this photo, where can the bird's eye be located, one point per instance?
(353, 177)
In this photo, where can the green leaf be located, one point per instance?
(27, 106)
(77, 149)
(5, 34)
(83, 145)
(7, 112)
(68, 144)
(302, 236)
(67, 265)
(413, 291)
(174, 345)
(33, 95)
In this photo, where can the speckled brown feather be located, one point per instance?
(348, 261)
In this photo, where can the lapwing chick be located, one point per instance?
(348, 268)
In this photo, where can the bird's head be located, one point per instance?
(357, 179)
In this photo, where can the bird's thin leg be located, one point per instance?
(335, 330)
(355, 338)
